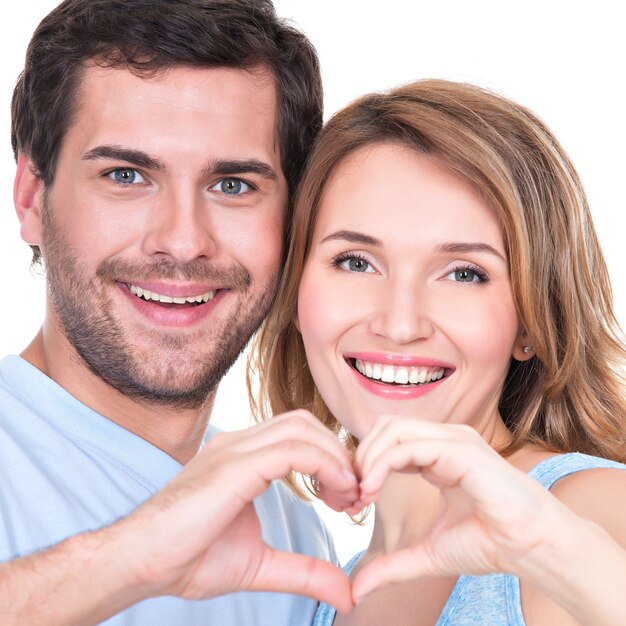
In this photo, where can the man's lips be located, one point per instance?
(167, 304)
(186, 291)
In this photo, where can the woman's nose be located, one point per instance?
(402, 315)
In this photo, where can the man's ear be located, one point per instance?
(28, 193)
(523, 349)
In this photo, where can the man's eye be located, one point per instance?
(126, 176)
(232, 186)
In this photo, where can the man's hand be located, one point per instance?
(200, 536)
(197, 538)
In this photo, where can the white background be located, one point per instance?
(563, 59)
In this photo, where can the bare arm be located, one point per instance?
(176, 543)
(583, 568)
(74, 582)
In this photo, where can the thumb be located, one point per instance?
(303, 575)
(406, 564)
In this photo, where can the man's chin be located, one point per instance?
(181, 398)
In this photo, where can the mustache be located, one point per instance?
(201, 270)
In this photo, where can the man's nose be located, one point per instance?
(181, 226)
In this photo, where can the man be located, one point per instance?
(158, 143)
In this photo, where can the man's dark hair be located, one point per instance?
(148, 36)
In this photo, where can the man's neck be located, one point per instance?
(178, 432)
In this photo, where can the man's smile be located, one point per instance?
(153, 296)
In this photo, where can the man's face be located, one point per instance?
(162, 230)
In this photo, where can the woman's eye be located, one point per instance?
(126, 176)
(466, 275)
(355, 264)
(232, 186)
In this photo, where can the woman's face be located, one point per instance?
(405, 305)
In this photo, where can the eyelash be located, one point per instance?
(483, 277)
(108, 173)
(243, 181)
(347, 256)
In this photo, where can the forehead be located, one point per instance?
(401, 196)
(218, 104)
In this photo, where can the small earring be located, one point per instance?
(527, 349)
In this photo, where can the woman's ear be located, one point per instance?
(523, 349)
(28, 193)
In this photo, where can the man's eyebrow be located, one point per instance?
(463, 248)
(233, 167)
(119, 153)
(353, 237)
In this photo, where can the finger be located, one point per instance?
(399, 566)
(249, 476)
(391, 432)
(490, 481)
(365, 444)
(398, 430)
(342, 501)
(300, 425)
(304, 575)
(414, 454)
(221, 489)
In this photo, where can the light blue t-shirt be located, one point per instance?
(65, 469)
(492, 599)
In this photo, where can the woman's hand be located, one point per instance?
(493, 517)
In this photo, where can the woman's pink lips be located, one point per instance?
(392, 391)
(399, 360)
(180, 317)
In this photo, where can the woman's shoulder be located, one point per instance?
(592, 487)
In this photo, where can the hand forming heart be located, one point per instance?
(200, 537)
(491, 515)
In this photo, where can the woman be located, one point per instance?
(445, 303)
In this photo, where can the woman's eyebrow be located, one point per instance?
(462, 247)
(353, 237)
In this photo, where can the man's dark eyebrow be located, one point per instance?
(119, 153)
(233, 167)
(464, 248)
(353, 237)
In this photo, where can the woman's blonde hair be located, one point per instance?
(570, 396)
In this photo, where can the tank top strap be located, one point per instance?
(548, 471)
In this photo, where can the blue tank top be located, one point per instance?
(492, 599)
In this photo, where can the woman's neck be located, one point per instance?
(404, 513)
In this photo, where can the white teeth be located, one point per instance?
(388, 374)
(400, 375)
(157, 297)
